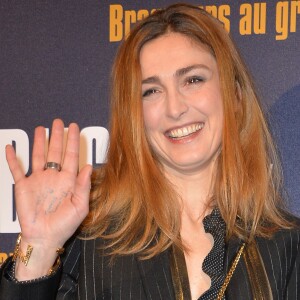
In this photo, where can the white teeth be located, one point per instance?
(185, 131)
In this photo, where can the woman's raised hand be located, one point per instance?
(51, 204)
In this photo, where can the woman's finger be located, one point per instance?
(38, 151)
(71, 157)
(13, 163)
(80, 198)
(56, 142)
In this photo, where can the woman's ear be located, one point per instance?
(238, 90)
(238, 96)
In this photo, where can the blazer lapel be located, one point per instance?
(156, 277)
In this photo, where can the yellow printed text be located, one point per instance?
(121, 20)
(286, 18)
(253, 20)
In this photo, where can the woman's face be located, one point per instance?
(182, 104)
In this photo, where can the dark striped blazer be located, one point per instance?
(87, 274)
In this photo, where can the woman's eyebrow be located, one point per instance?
(178, 73)
(152, 79)
(185, 70)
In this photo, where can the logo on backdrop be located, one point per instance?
(93, 146)
(253, 18)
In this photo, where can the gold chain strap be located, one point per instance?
(230, 272)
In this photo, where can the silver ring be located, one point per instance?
(52, 165)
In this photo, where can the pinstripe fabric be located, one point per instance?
(124, 278)
(131, 279)
(281, 256)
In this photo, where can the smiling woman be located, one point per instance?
(182, 104)
(183, 115)
(188, 205)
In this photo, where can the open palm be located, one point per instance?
(51, 204)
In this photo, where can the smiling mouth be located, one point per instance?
(184, 131)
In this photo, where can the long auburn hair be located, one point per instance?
(133, 206)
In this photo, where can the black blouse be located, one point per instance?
(213, 264)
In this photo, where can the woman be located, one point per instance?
(188, 205)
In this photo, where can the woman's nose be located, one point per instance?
(176, 104)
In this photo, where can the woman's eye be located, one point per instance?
(194, 79)
(149, 92)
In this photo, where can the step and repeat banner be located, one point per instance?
(55, 60)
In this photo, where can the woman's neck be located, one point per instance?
(195, 192)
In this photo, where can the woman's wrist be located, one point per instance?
(33, 261)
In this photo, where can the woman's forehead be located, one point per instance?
(173, 52)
